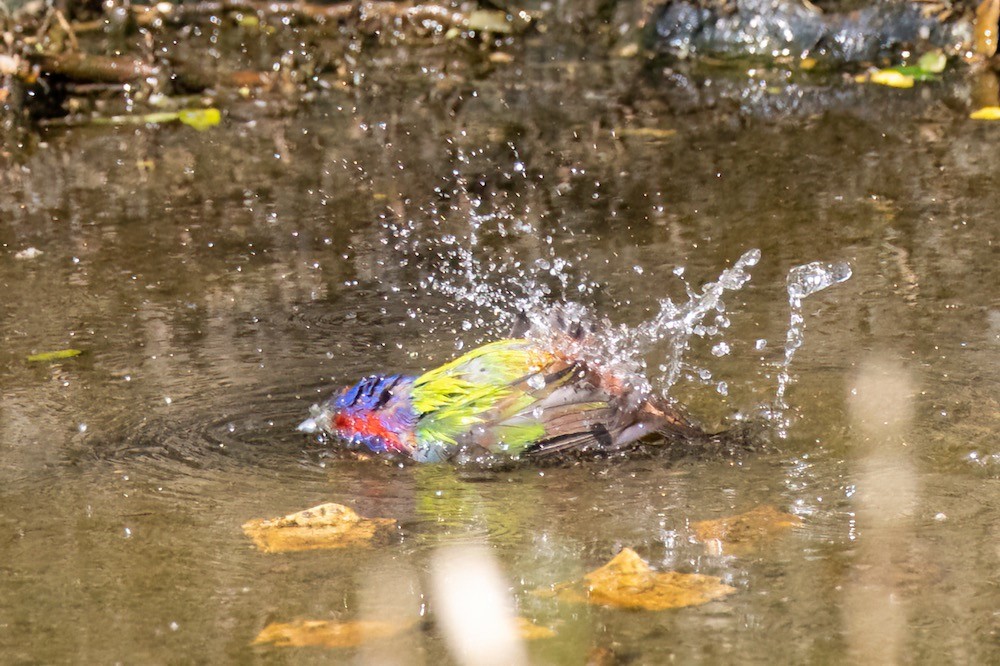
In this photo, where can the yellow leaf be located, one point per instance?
(530, 631)
(745, 532)
(324, 633)
(54, 355)
(323, 526)
(200, 119)
(886, 77)
(987, 17)
(628, 582)
(986, 113)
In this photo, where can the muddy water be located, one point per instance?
(219, 282)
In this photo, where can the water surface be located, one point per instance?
(221, 282)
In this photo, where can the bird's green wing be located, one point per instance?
(454, 399)
(504, 396)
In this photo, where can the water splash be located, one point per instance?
(679, 323)
(486, 256)
(803, 281)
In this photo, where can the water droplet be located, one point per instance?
(720, 349)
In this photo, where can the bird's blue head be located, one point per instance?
(365, 413)
(370, 394)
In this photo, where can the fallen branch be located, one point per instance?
(374, 11)
(95, 69)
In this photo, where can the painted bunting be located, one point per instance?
(516, 397)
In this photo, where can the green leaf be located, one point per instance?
(914, 72)
(45, 357)
(200, 119)
(933, 62)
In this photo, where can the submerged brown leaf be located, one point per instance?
(324, 633)
(530, 631)
(627, 581)
(323, 526)
(745, 532)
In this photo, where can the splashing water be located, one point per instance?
(520, 273)
(803, 281)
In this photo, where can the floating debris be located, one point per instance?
(45, 357)
(28, 253)
(627, 581)
(329, 634)
(735, 535)
(324, 526)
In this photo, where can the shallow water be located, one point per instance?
(219, 283)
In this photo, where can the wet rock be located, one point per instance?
(777, 28)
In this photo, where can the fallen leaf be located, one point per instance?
(886, 77)
(325, 633)
(986, 113)
(530, 631)
(323, 526)
(628, 582)
(654, 133)
(987, 19)
(200, 119)
(54, 355)
(745, 532)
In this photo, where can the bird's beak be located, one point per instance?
(317, 417)
(309, 426)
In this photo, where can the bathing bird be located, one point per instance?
(519, 397)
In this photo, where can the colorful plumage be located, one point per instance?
(514, 397)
